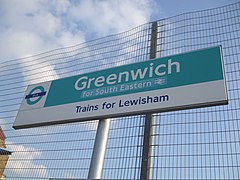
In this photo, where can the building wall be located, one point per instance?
(3, 158)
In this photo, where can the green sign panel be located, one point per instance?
(178, 70)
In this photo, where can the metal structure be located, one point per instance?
(191, 144)
(99, 149)
(147, 140)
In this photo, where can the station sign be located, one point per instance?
(188, 80)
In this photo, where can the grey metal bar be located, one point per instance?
(147, 140)
(154, 33)
(100, 144)
(146, 154)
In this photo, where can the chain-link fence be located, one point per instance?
(191, 144)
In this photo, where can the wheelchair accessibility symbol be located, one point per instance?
(35, 95)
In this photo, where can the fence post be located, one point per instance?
(147, 139)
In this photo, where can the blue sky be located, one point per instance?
(32, 27)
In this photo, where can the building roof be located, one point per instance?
(4, 151)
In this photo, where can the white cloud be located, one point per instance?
(108, 17)
(46, 72)
(25, 166)
(61, 7)
(32, 27)
(28, 28)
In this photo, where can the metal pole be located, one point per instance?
(100, 145)
(146, 154)
(147, 139)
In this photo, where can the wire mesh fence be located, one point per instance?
(200, 143)
(191, 144)
(64, 151)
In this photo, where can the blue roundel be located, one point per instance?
(37, 96)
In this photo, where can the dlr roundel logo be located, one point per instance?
(35, 95)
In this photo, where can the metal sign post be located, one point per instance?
(100, 145)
